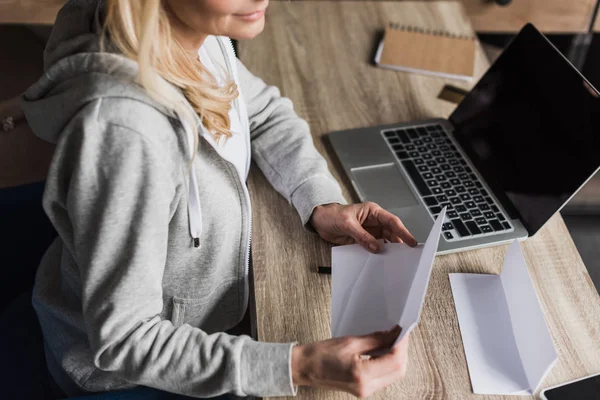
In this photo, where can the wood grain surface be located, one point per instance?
(319, 54)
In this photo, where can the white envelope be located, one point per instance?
(375, 292)
(508, 347)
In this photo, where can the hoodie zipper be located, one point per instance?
(248, 154)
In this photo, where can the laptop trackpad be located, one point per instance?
(385, 185)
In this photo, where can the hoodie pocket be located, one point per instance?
(218, 311)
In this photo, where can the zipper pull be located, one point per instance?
(196, 242)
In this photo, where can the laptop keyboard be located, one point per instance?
(443, 178)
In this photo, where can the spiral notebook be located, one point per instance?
(427, 51)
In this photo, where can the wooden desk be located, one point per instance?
(319, 54)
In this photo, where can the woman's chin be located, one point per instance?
(248, 29)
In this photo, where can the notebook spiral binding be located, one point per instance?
(428, 31)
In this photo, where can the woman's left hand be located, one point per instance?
(362, 223)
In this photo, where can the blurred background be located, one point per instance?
(571, 25)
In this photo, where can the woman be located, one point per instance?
(154, 120)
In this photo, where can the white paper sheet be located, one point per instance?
(506, 340)
(373, 292)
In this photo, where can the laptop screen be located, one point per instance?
(531, 126)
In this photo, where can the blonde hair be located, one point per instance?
(140, 29)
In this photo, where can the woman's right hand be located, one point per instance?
(337, 363)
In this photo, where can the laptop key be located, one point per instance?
(478, 199)
(445, 167)
(422, 149)
(431, 163)
(500, 217)
(489, 200)
(461, 208)
(412, 133)
(427, 175)
(422, 131)
(481, 220)
(465, 197)
(414, 154)
(440, 141)
(489, 214)
(440, 178)
(454, 162)
(436, 190)
(460, 189)
(423, 168)
(410, 167)
(450, 174)
(436, 170)
(435, 209)
(410, 147)
(430, 128)
(432, 182)
(449, 154)
(475, 212)
(430, 201)
(403, 136)
(448, 235)
(460, 227)
(447, 205)
(393, 140)
(441, 198)
(427, 157)
(447, 226)
(452, 214)
(470, 204)
(401, 155)
(436, 153)
(506, 225)
(496, 225)
(389, 134)
(483, 192)
(478, 185)
(450, 192)
(463, 176)
(473, 228)
(418, 142)
(465, 216)
(458, 169)
(486, 229)
(446, 185)
(455, 181)
(419, 161)
(484, 207)
(468, 184)
(398, 147)
(473, 192)
(495, 209)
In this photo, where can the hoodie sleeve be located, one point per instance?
(282, 147)
(118, 196)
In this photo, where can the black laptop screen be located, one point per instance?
(531, 126)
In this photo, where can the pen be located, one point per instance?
(322, 269)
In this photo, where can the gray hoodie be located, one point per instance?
(150, 264)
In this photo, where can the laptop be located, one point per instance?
(522, 142)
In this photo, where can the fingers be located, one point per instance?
(375, 341)
(390, 362)
(360, 235)
(393, 223)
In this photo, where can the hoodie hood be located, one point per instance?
(76, 72)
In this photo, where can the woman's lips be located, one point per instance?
(252, 16)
